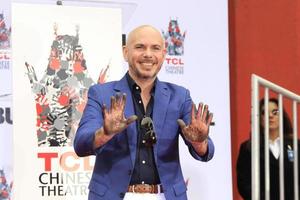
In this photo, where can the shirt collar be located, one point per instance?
(274, 142)
(135, 87)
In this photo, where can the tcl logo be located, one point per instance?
(174, 61)
(5, 115)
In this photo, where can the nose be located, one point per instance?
(148, 53)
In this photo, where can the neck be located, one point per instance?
(146, 84)
(273, 134)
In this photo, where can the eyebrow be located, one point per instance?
(273, 110)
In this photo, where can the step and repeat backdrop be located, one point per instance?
(6, 117)
(59, 51)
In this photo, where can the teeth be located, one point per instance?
(148, 64)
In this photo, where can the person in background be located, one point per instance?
(244, 158)
(133, 125)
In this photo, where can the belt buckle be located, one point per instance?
(147, 187)
(152, 189)
(158, 189)
(133, 186)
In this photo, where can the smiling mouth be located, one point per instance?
(147, 65)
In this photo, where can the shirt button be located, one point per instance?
(144, 141)
(143, 182)
(143, 162)
(140, 101)
(137, 87)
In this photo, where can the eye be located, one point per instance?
(139, 46)
(275, 111)
(156, 48)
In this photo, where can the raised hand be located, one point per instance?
(197, 131)
(114, 118)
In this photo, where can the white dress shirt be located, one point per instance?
(275, 147)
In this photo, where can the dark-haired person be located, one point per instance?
(244, 158)
(137, 157)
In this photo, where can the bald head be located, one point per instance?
(140, 31)
(145, 53)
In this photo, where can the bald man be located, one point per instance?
(132, 126)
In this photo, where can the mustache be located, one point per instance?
(148, 60)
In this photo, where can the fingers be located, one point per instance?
(205, 113)
(112, 103)
(193, 112)
(118, 97)
(123, 102)
(181, 124)
(200, 107)
(131, 119)
(209, 120)
(118, 102)
(104, 110)
(117, 106)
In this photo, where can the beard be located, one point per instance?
(141, 75)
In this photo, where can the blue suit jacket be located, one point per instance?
(115, 160)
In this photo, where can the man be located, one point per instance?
(137, 158)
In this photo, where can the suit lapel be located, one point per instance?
(122, 86)
(161, 102)
(274, 163)
(273, 160)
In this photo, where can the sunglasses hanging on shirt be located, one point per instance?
(148, 137)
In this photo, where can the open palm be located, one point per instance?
(198, 129)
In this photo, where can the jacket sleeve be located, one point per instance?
(91, 121)
(243, 170)
(186, 116)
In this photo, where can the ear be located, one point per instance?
(125, 53)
